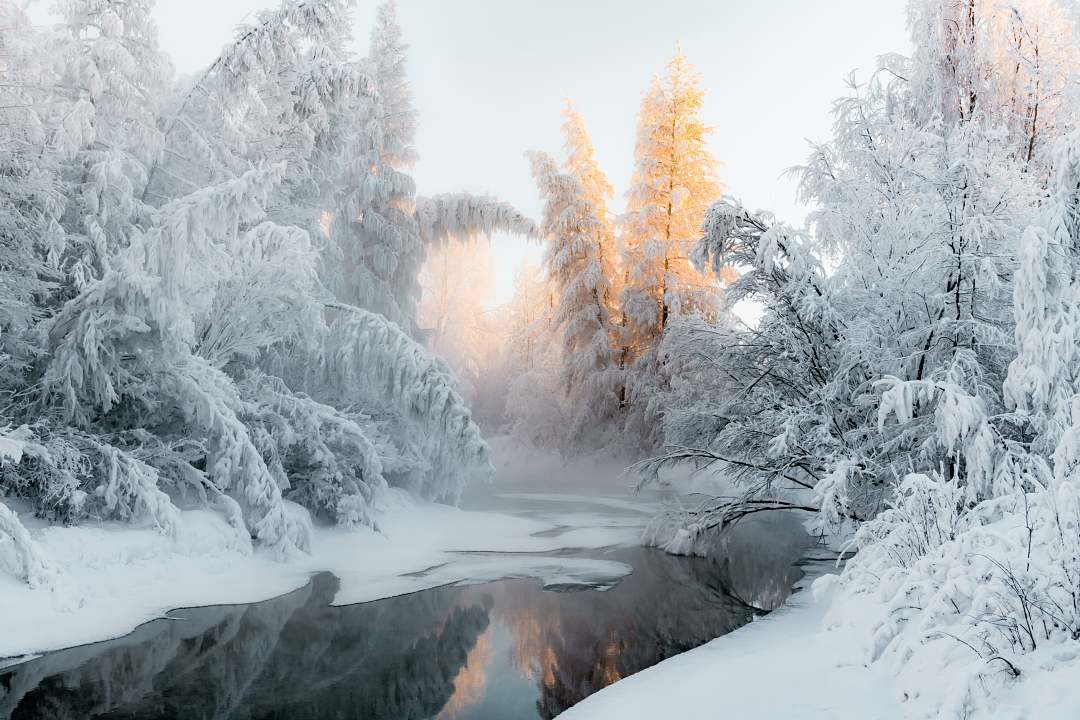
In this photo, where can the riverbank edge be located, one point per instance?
(785, 664)
(117, 577)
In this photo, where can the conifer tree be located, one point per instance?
(387, 231)
(673, 185)
(581, 163)
(576, 236)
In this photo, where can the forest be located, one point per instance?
(225, 292)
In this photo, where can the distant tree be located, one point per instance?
(458, 288)
(536, 407)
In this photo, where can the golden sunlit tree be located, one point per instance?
(581, 164)
(674, 184)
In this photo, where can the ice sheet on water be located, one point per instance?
(618, 503)
(589, 519)
(561, 572)
(121, 576)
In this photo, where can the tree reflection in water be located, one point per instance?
(577, 643)
(419, 656)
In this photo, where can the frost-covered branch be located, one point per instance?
(460, 216)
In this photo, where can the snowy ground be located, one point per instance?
(119, 577)
(781, 666)
(807, 660)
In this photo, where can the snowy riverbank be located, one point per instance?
(781, 666)
(117, 577)
(808, 660)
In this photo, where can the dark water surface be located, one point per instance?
(503, 650)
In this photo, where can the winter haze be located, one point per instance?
(518, 360)
(600, 53)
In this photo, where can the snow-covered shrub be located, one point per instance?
(20, 554)
(998, 577)
(987, 555)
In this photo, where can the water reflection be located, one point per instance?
(503, 650)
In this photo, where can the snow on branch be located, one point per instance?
(27, 561)
(330, 460)
(366, 351)
(30, 562)
(210, 402)
(461, 216)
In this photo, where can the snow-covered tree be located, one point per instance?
(376, 246)
(32, 197)
(536, 406)
(216, 295)
(673, 185)
(1011, 64)
(919, 211)
(578, 262)
(582, 164)
(458, 282)
(993, 569)
(924, 386)
(113, 79)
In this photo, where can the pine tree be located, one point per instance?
(575, 235)
(387, 56)
(386, 247)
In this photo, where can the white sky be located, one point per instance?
(489, 78)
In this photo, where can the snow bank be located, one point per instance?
(782, 666)
(811, 659)
(118, 577)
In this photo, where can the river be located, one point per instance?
(504, 650)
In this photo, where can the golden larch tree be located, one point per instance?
(674, 183)
(581, 163)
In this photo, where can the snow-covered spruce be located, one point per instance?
(579, 260)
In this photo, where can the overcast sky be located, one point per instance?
(489, 78)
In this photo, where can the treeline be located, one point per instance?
(585, 329)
